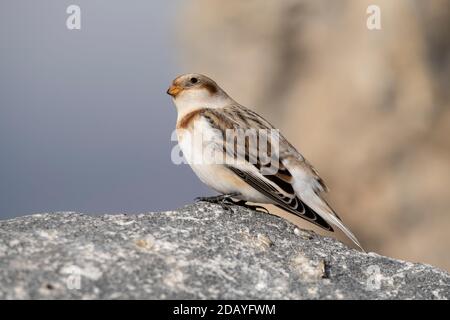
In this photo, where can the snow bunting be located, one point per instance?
(286, 180)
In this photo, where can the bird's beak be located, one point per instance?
(174, 90)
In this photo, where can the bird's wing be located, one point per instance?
(290, 202)
(277, 185)
(296, 186)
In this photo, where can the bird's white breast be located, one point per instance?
(202, 149)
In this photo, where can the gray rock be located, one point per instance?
(197, 252)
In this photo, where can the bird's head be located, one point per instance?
(194, 91)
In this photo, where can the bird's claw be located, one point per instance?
(214, 199)
(225, 199)
(220, 199)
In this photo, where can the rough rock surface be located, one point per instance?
(199, 251)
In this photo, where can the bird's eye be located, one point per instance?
(194, 80)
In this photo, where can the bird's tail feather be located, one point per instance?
(316, 203)
(332, 219)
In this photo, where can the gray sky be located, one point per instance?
(85, 123)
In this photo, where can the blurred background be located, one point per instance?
(85, 124)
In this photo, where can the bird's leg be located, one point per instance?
(244, 204)
(223, 198)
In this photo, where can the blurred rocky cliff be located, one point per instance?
(370, 109)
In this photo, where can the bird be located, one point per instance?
(208, 126)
